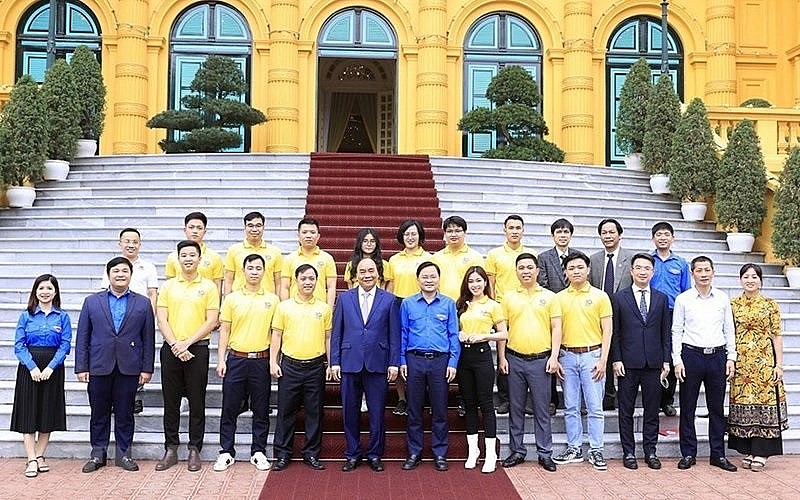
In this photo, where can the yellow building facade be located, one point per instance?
(396, 75)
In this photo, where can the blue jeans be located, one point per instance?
(577, 381)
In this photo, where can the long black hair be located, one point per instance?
(359, 254)
(33, 301)
(462, 304)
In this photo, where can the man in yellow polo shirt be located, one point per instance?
(299, 354)
(210, 267)
(309, 253)
(243, 362)
(253, 243)
(501, 268)
(456, 257)
(530, 358)
(187, 311)
(586, 326)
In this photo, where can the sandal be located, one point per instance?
(41, 464)
(32, 470)
(758, 464)
(747, 461)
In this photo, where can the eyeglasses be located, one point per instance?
(254, 226)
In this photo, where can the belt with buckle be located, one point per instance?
(427, 354)
(705, 350)
(477, 345)
(528, 357)
(250, 355)
(305, 363)
(581, 350)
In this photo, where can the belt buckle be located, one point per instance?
(708, 350)
(252, 355)
(427, 355)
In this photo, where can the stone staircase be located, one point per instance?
(72, 231)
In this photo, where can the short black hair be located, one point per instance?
(561, 224)
(404, 227)
(513, 217)
(308, 220)
(612, 221)
(252, 257)
(130, 230)
(573, 255)
(303, 268)
(426, 265)
(646, 256)
(702, 258)
(196, 216)
(189, 243)
(117, 261)
(661, 226)
(527, 255)
(454, 220)
(254, 215)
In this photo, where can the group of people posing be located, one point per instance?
(419, 320)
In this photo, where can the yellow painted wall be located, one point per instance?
(733, 50)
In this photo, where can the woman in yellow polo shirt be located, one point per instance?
(368, 244)
(481, 319)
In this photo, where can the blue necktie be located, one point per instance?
(608, 281)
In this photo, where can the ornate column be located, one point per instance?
(130, 111)
(283, 79)
(578, 83)
(720, 88)
(431, 118)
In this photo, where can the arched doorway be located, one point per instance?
(635, 38)
(492, 42)
(200, 31)
(357, 61)
(75, 25)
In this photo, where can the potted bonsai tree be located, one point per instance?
(22, 148)
(91, 98)
(693, 161)
(663, 115)
(741, 188)
(60, 98)
(785, 227)
(631, 117)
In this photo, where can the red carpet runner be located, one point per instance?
(424, 483)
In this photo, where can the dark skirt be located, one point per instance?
(756, 446)
(39, 406)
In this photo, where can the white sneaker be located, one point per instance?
(224, 461)
(260, 461)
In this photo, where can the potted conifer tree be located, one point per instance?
(693, 161)
(60, 98)
(22, 149)
(631, 117)
(785, 227)
(741, 188)
(91, 98)
(663, 115)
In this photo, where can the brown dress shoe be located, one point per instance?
(194, 461)
(169, 459)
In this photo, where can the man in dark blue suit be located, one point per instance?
(365, 356)
(114, 353)
(640, 352)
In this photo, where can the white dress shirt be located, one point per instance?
(702, 322)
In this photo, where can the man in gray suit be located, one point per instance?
(553, 277)
(610, 271)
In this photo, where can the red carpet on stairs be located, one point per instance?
(424, 483)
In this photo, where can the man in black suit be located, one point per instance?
(640, 352)
(365, 356)
(114, 353)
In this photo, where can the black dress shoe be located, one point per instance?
(126, 463)
(723, 463)
(547, 464)
(653, 462)
(93, 464)
(440, 464)
(314, 463)
(513, 459)
(280, 464)
(686, 462)
(412, 462)
(629, 461)
(350, 465)
(375, 464)
(669, 410)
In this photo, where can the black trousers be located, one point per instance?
(245, 377)
(106, 391)
(475, 370)
(709, 370)
(649, 379)
(299, 386)
(178, 379)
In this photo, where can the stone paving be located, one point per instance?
(577, 481)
